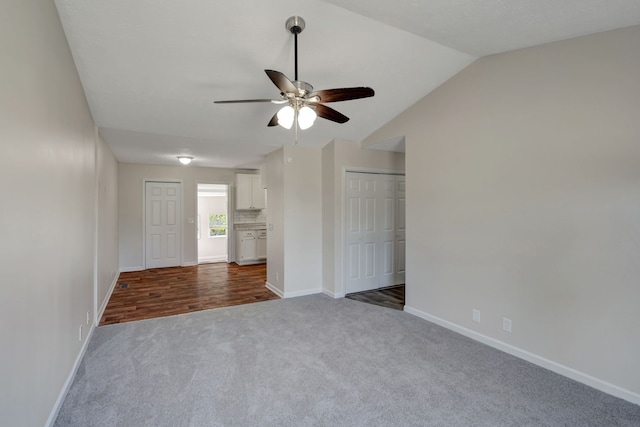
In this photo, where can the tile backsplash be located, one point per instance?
(242, 217)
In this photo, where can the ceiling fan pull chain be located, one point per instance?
(296, 124)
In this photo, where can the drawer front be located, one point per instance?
(248, 233)
(262, 233)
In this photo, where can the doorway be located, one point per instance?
(374, 231)
(212, 224)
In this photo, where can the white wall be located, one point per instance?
(211, 248)
(48, 222)
(131, 179)
(303, 220)
(275, 222)
(106, 265)
(337, 158)
(523, 201)
(294, 239)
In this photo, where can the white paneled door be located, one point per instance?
(163, 224)
(401, 230)
(362, 224)
(371, 230)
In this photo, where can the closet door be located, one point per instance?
(387, 232)
(362, 232)
(374, 231)
(401, 230)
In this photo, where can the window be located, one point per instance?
(217, 225)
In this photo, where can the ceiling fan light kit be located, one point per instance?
(303, 105)
(285, 116)
(306, 117)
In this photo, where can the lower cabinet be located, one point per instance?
(251, 246)
(261, 245)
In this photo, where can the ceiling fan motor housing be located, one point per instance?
(304, 88)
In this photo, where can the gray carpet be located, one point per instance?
(315, 361)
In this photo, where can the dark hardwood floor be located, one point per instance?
(167, 291)
(162, 292)
(391, 297)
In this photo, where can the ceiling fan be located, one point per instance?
(303, 105)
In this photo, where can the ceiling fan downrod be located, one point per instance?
(295, 25)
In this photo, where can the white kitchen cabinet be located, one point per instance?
(261, 244)
(251, 246)
(249, 192)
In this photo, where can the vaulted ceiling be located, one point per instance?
(152, 69)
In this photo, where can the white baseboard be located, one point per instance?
(302, 293)
(291, 294)
(575, 375)
(252, 262)
(189, 263)
(65, 389)
(129, 269)
(274, 289)
(103, 306)
(208, 259)
(332, 294)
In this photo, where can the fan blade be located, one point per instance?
(343, 94)
(238, 101)
(330, 114)
(281, 81)
(274, 120)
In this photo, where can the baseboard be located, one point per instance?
(130, 269)
(189, 264)
(252, 262)
(103, 306)
(303, 293)
(211, 259)
(291, 294)
(67, 385)
(334, 295)
(274, 289)
(566, 371)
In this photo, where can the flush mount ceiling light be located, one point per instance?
(185, 160)
(303, 105)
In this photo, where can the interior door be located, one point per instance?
(362, 232)
(374, 230)
(387, 231)
(401, 230)
(163, 224)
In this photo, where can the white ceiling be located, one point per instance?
(151, 70)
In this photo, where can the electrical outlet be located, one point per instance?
(277, 278)
(80, 334)
(476, 315)
(88, 317)
(506, 324)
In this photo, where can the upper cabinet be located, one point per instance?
(249, 192)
